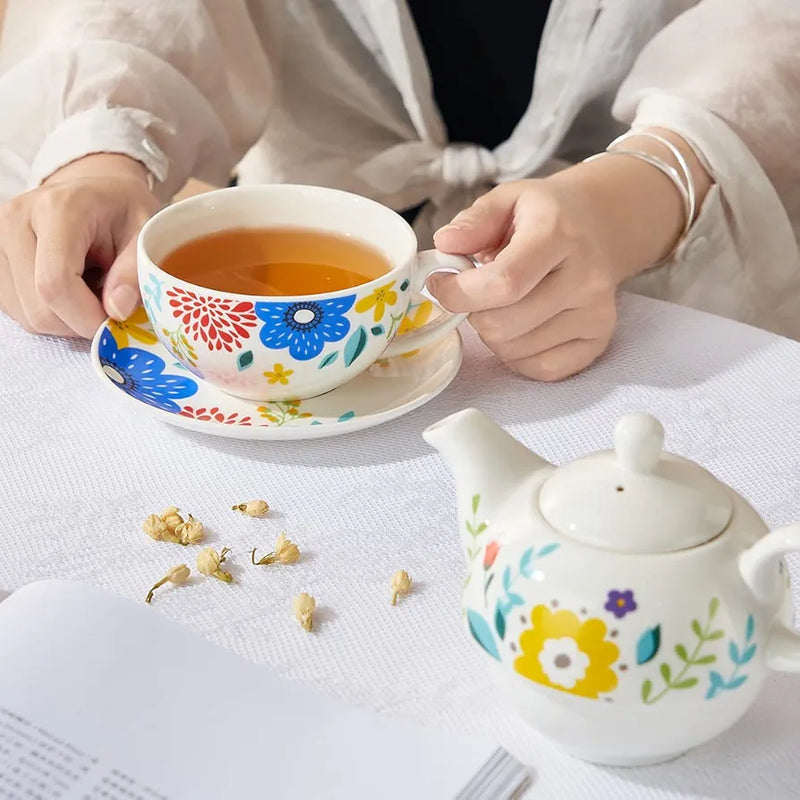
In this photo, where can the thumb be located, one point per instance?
(121, 289)
(482, 226)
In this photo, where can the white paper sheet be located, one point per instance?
(102, 699)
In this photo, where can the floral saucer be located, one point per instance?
(130, 359)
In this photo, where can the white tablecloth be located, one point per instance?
(81, 469)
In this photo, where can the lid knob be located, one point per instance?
(638, 441)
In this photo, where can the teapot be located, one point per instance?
(629, 603)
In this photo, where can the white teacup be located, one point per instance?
(287, 348)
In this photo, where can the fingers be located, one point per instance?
(560, 362)
(535, 248)
(9, 302)
(593, 322)
(482, 226)
(60, 259)
(121, 290)
(36, 314)
(554, 294)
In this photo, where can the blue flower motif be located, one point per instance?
(304, 327)
(141, 375)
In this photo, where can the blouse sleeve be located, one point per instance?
(725, 75)
(182, 86)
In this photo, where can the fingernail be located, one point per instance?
(451, 226)
(122, 302)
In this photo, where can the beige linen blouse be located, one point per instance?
(337, 92)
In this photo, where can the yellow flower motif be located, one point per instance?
(180, 346)
(281, 412)
(415, 318)
(137, 326)
(279, 375)
(380, 298)
(562, 652)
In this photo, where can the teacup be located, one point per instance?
(288, 348)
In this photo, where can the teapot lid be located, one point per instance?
(636, 498)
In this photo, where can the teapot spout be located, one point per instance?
(487, 463)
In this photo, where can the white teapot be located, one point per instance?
(630, 604)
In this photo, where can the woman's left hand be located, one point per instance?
(553, 252)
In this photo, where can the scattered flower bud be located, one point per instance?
(253, 508)
(191, 531)
(172, 519)
(401, 584)
(177, 575)
(170, 526)
(285, 552)
(155, 527)
(303, 606)
(209, 560)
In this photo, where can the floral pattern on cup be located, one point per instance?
(304, 327)
(563, 652)
(279, 374)
(220, 323)
(378, 300)
(141, 374)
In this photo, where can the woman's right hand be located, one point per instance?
(87, 213)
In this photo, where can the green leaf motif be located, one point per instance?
(686, 684)
(244, 360)
(476, 501)
(709, 659)
(647, 688)
(715, 635)
(355, 345)
(481, 528)
(681, 651)
(328, 360)
(500, 622)
(666, 672)
(481, 633)
(713, 607)
(648, 644)
(697, 628)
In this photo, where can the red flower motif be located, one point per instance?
(220, 323)
(492, 549)
(208, 414)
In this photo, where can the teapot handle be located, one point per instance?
(757, 566)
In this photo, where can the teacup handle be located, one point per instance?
(428, 262)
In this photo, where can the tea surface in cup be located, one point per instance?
(276, 262)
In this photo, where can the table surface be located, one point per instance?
(81, 469)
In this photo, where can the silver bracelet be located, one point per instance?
(666, 169)
(677, 155)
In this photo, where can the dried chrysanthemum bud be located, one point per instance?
(401, 584)
(285, 552)
(191, 531)
(253, 508)
(209, 560)
(303, 606)
(155, 527)
(177, 575)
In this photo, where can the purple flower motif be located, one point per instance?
(620, 603)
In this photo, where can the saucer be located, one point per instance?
(131, 361)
